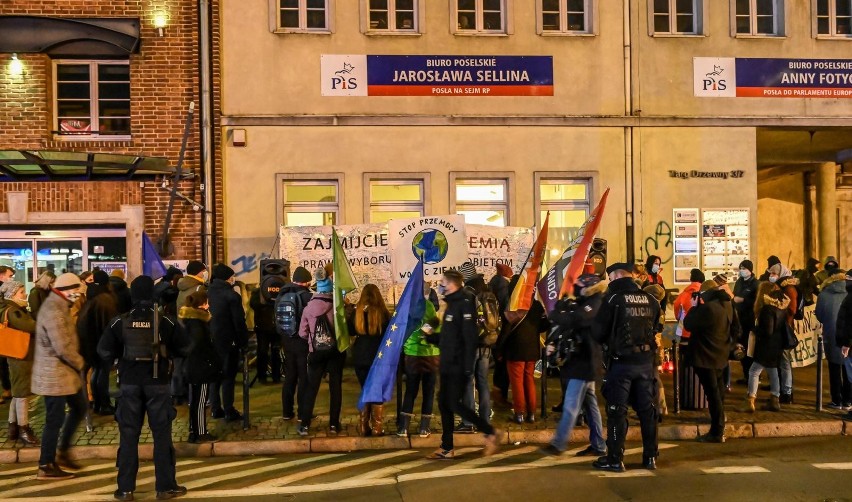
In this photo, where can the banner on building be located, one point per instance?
(416, 75)
(772, 78)
(807, 331)
(439, 241)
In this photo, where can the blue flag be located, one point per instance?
(152, 264)
(408, 316)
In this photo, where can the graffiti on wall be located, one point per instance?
(245, 264)
(659, 244)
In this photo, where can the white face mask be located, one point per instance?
(655, 268)
(73, 297)
(204, 275)
(773, 278)
(745, 274)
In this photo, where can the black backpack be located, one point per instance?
(322, 337)
(487, 317)
(288, 313)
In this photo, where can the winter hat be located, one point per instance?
(171, 273)
(141, 289)
(222, 271)
(301, 274)
(696, 275)
(504, 270)
(708, 285)
(195, 267)
(117, 273)
(323, 281)
(776, 269)
(772, 261)
(100, 278)
(656, 291)
(627, 267)
(720, 279)
(9, 288)
(67, 282)
(748, 265)
(831, 262)
(468, 271)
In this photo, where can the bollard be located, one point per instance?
(676, 374)
(819, 373)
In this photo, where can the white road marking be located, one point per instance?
(34, 469)
(735, 469)
(396, 469)
(299, 476)
(633, 473)
(470, 464)
(840, 466)
(258, 470)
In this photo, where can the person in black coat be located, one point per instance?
(166, 291)
(100, 308)
(745, 293)
(122, 292)
(770, 336)
(843, 334)
(230, 335)
(268, 341)
(715, 329)
(203, 364)
(499, 285)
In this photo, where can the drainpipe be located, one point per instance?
(205, 72)
(628, 133)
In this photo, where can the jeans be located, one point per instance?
(713, 381)
(523, 386)
(295, 374)
(268, 354)
(55, 418)
(579, 394)
(331, 362)
(754, 379)
(413, 382)
(785, 373)
(480, 379)
(450, 402)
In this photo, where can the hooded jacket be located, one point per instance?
(203, 363)
(579, 318)
(187, 285)
(57, 362)
(827, 310)
(714, 329)
(320, 305)
(100, 308)
(747, 290)
(228, 324)
(771, 331)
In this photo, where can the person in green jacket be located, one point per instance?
(421, 369)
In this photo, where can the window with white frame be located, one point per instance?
(566, 16)
(482, 201)
(395, 198)
(311, 202)
(568, 200)
(834, 17)
(758, 17)
(303, 15)
(486, 16)
(677, 17)
(393, 15)
(92, 98)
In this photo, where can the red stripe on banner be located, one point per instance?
(460, 90)
(788, 92)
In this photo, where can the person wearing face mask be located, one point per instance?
(745, 293)
(782, 277)
(13, 309)
(843, 335)
(653, 267)
(6, 274)
(56, 376)
(230, 335)
(96, 315)
(828, 307)
(195, 280)
(203, 364)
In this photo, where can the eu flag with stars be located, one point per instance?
(408, 316)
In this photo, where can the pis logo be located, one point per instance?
(712, 80)
(342, 79)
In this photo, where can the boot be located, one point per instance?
(402, 430)
(364, 422)
(786, 398)
(773, 404)
(748, 406)
(425, 431)
(13, 431)
(377, 421)
(28, 436)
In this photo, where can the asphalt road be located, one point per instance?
(812, 469)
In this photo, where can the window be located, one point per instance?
(566, 16)
(676, 17)
(568, 201)
(758, 17)
(395, 198)
(311, 202)
(482, 201)
(303, 15)
(834, 17)
(92, 98)
(393, 15)
(480, 16)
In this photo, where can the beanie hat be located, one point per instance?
(468, 271)
(9, 288)
(831, 262)
(100, 278)
(142, 289)
(323, 280)
(772, 261)
(195, 267)
(708, 285)
(67, 282)
(301, 274)
(222, 271)
(504, 270)
(656, 291)
(696, 275)
(720, 279)
(748, 265)
(117, 273)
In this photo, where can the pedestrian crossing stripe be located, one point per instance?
(839, 466)
(299, 476)
(33, 469)
(396, 469)
(736, 469)
(259, 470)
(638, 473)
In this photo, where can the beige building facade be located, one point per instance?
(699, 181)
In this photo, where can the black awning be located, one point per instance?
(30, 165)
(69, 37)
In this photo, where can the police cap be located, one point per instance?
(627, 267)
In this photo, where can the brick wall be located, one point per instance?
(164, 80)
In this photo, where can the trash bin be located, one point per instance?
(691, 392)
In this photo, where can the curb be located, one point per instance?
(343, 444)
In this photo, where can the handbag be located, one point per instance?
(791, 341)
(14, 343)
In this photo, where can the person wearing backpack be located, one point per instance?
(770, 335)
(144, 341)
(367, 325)
(289, 306)
(203, 364)
(317, 327)
(782, 277)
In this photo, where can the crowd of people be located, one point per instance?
(178, 342)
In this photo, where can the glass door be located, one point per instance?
(18, 254)
(59, 256)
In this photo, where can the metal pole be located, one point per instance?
(676, 374)
(399, 391)
(819, 374)
(90, 427)
(246, 386)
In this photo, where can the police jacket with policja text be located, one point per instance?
(625, 322)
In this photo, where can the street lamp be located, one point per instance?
(16, 66)
(161, 19)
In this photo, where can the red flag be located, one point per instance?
(522, 296)
(581, 250)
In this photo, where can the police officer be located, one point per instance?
(625, 326)
(143, 342)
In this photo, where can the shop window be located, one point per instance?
(394, 199)
(92, 99)
(482, 201)
(566, 16)
(568, 201)
(834, 18)
(676, 17)
(758, 17)
(393, 15)
(480, 16)
(311, 203)
(303, 16)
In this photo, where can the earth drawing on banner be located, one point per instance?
(431, 244)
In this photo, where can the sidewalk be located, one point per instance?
(271, 434)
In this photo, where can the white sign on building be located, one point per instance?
(714, 77)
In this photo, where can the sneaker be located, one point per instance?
(333, 430)
(530, 418)
(289, 417)
(492, 443)
(549, 449)
(50, 472)
(122, 496)
(175, 492)
(834, 406)
(441, 454)
(605, 464)
(649, 463)
(425, 432)
(464, 429)
(591, 451)
(402, 433)
(303, 430)
(847, 406)
(517, 418)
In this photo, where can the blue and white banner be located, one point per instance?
(772, 78)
